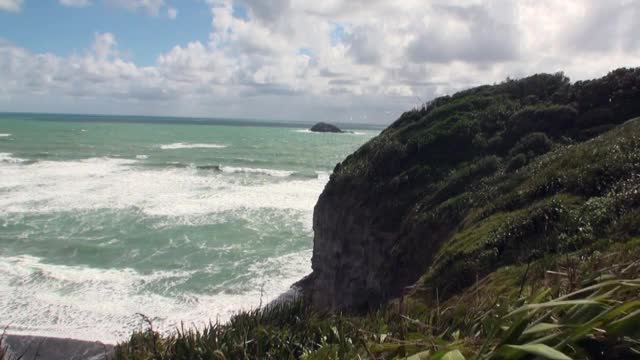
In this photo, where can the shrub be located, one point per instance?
(517, 162)
(532, 145)
(407, 118)
(494, 117)
(554, 120)
(463, 177)
(480, 141)
(386, 157)
(495, 144)
(543, 86)
(595, 131)
(619, 90)
(595, 117)
(531, 100)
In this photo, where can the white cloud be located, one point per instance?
(75, 3)
(104, 46)
(463, 33)
(172, 13)
(607, 26)
(332, 60)
(10, 5)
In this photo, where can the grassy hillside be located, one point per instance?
(510, 222)
(561, 202)
(577, 306)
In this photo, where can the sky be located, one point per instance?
(299, 60)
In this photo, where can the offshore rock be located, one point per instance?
(324, 127)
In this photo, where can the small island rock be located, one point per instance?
(324, 127)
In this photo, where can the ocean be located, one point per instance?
(186, 221)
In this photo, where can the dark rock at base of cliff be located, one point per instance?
(324, 127)
(46, 348)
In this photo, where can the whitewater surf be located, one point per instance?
(102, 221)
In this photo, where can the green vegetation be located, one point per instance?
(515, 210)
(502, 174)
(573, 307)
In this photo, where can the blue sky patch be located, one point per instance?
(47, 27)
(337, 33)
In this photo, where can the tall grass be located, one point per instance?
(599, 321)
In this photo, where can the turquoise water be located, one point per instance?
(183, 223)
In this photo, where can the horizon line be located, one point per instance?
(193, 120)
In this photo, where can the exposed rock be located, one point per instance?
(360, 255)
(209, 167)
(324, 127)
(46, 348)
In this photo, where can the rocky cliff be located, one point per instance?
(504, 219)
(488, 177)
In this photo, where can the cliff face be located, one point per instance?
(485, 178)
(362, 252)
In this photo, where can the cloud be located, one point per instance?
(104, 46)
(469, 34)
(152, 7)
(607, 26)
(10, 5)
(364, 46)
(75, 3)
(172, 13)
(333, 60)
(268, 11)
(100, 72)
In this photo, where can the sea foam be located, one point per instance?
(8, 158)
(270, 172)
(176, 146)
(102, 304)
(109, 183)
(92, 303)
(346, 132)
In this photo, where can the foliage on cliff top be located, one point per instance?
(490, 120)
(499, 175)
(560, 202)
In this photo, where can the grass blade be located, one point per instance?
(541, 350)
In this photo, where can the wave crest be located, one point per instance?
(110, 183)
(8, 158)
(176, 146)
(248, 170)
